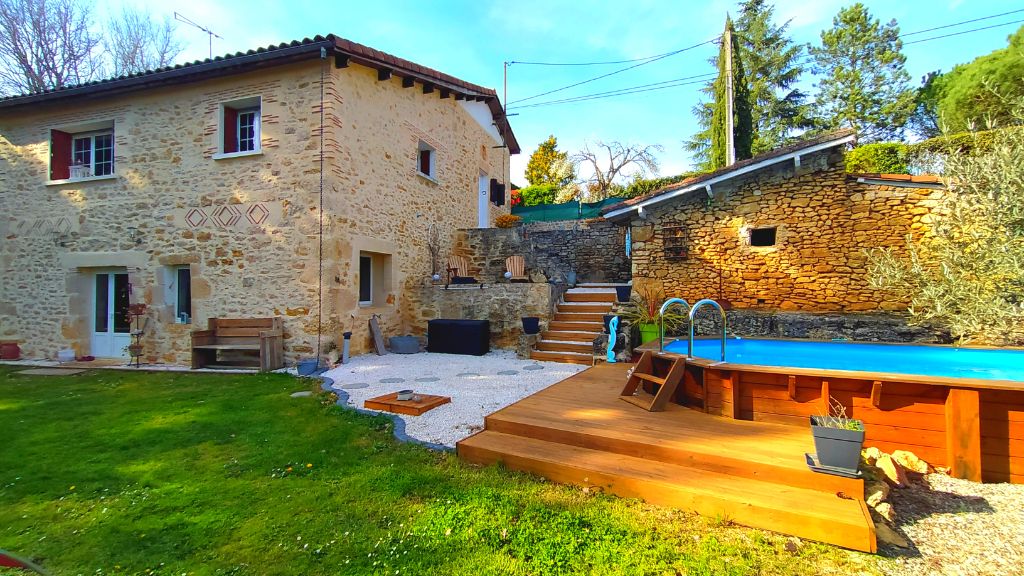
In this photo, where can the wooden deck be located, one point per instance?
(751, 473)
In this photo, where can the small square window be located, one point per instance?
(425, 159)
(82, 154)
(240, 125)
(763, 236)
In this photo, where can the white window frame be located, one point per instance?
(420, 148)
(256, 122)
(88, 170)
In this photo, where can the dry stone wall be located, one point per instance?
(595, 249)
(247, 227)
(824, 222)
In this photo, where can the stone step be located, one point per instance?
(564, 357)
(565, 346)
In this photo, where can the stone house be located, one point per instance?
(784, 231)
(298, 180)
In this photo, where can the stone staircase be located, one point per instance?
(578, 320)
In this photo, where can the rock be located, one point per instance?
(887, 535)
(911, 462)
(893, 471)
(885, 510)
(875, 493)
(871, 455)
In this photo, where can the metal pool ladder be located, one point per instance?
(693, 312)
(661, 319)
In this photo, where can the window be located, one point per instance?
(365, 280)
(178, 292)
(763, 236)
(82, 152)
(374, 279)
(425, 159)
(240, 126)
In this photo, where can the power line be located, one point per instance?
(602, 95)
(613, 92)
(963, 32)
(960, 23)
(591, 63)
(654, 59)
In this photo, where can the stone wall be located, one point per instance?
(247, 226)
(595, 249)
(825, 221)
(862, 326)
(503, 304)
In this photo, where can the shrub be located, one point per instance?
(507, 221)
(881, 158)
(541, 194)
(641, 186)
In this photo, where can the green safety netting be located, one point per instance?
(571, 210)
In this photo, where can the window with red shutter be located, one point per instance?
(230, 130)
(60, 155)
(425, 160)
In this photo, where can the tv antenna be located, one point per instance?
(210, 33)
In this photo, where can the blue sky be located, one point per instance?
(471, 39)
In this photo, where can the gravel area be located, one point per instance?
(958, 528)
(477, 385)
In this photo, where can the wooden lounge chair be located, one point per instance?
(458, 267)
(517, 267)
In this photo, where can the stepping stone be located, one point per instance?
(508, 372)
(392, 380)
(428, 379)
(467, 375)
(51, 371)
(302, 394)
(533, 367)
(353, 386)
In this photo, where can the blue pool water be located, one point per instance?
(898, 359)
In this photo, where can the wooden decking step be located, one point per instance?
(565, 346)
(590, 296)
(574, 335)
(802, 512)
(603, 308)
(594, 327)
(649, 378)
(580, 317)
(562, 356)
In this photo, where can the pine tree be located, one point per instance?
(864, 84)
(540, 170)
(709, 146)
(771, 61)
(768, 60)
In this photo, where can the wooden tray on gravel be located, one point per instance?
(391, 403)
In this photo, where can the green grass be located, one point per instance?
(113, 472)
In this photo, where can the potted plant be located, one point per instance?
(642, 312)
(837, 440)
(134, 350)
(531, 324)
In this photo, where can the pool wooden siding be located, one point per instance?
(975, 428)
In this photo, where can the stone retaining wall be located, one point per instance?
(595, 249)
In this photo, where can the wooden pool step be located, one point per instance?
(802, 512)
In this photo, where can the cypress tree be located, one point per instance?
(742, 118)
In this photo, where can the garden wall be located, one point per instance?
(595, 249)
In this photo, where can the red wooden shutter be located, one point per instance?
(60, 155)
(425, 162)
(230, 130)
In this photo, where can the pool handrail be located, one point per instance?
(693, 312)
(661, 318)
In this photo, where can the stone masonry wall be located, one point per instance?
(595, 249)
(248, 226)
(825, 221)
(503, 304)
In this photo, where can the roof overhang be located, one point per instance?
(706, 185)
(901, 183)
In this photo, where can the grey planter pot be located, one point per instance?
(837, 448)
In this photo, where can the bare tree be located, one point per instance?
(619, 157)
(46, 44)
(136, 42)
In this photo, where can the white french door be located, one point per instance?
(111, 328)
(484, 211)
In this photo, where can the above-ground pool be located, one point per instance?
(942, 361)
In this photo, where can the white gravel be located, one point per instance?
(477, 385)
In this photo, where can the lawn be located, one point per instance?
(114, 472)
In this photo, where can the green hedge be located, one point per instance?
(540, 194)
(882, 158)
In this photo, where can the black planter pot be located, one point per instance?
(623, 292)
(837, 448)
(531, 325)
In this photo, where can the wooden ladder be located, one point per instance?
(644, 372)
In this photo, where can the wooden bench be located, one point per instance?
(257, 342)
